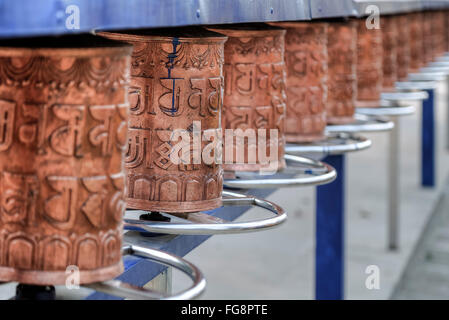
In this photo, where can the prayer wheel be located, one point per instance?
(416, 41)
(369, 65)
(307, 77)
(254, 98)
(63, 119)
(390, 34)
(403, 48)
(174, 136)
(342, 63)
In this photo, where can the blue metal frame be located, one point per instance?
(428, 141)
(330, 215)
(34, 17)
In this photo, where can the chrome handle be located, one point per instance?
(362, 123)
(126, 290)
(219, 226)
(317, 173)
(404, 96)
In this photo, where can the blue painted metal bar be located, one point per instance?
(428, 141)
(139, 271)
(329, 255)
(31, 17)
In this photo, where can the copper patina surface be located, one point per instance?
(254, 92)
(176, 84)
(63, 120)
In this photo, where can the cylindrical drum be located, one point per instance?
(429, 51)
(416, 41)
(403, 48)
(438, 33)
(342, 63)
(390, 33)
(369, 65)
(254, 99)
(174, 126)
(63, 120)
(306, 64)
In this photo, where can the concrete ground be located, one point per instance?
(279, 263)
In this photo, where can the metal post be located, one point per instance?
(329, 255)
(428, 141)
(393, 187)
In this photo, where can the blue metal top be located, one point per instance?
(33, 17)
(46, 17)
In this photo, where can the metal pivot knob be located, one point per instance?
(205, 224)
(126, 290)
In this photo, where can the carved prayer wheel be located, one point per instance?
(369, 65)
(306, 64)
(63, 119)
(390, 34)
(176, 92)
(429, 51)
(403, 48)
(342, 63)
(438, 33)
(416, 41)
(254, 95)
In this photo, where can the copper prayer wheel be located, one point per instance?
(390, 34)
(63, 119)
(438, 33)
(429, 51)
(254, 95)
(403, 48)
(307, 72)
(176, 86)
(416, 41)
(369, 65)
(342, 63)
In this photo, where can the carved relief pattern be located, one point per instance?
(307, 77)
(254, 91)
(389, 29)
(40, 71)
(369, 64)
(61, 173)
(342, 52)
(439, 32)
(174, 83)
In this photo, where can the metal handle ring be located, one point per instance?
(363, 124)
(208, 225)
(335, 144)
(126, 290)
(317, 173)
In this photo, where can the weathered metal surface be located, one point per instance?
(307, 72)
(369, 65)
(64, 113)
(403, 46)
(342, 64)
(390, 35)
(176, 88)
(254, 93)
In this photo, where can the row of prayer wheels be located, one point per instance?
(87, 122)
